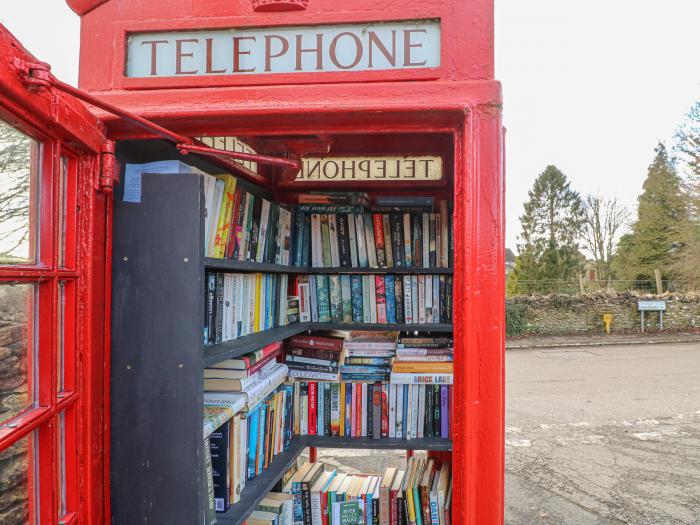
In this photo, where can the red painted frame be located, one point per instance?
(460, 98)
(64, 128)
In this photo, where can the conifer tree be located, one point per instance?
(662, 216)
(551, 225)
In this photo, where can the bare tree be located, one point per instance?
(15, 188)
(603, 220)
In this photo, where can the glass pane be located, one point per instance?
(18, 173)
(17, 305)
(63, 196)
(16, 482)
(60, 365)
(62, 464)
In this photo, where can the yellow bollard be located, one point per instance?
(607, 321)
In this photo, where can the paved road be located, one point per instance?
(602, 436)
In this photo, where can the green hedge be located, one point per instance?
(515, 318)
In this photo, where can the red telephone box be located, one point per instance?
(297, 80)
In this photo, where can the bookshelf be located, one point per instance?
(158, 353)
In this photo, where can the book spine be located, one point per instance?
(362, 255)
(369, 411)
(366, 314)
(324, 304)
(219, 307)
(384, 420)
(421, 379)
(377, 396)
(264, 230)
(313, 298)
(352, 241)
(306, 255)
(334, 241)
(407, 240)
(397, 244)
(313, 353)
(336, 298)
(346, 295)
(335, 410)
(326, 409)
(417, 228)
(437, 423)
(399, 412)
(420, 425)
(381, 298)
(325, 241)
(378, 227)
(372, 299)
(398, 295)
(408, 299)
(444, 412)
(356, 293)
(316, 242)
(343, 241)
(444, 224)
(320, 408)
(390, 293)
(388, 248)
(304, 298)
(369, 238)
(313, 407)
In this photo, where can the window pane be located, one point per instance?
(17, 305)
(63, 197)
(18, 173)
(16, 482)
(60, 365)
(61, 464)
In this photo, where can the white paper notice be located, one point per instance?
(134, 172)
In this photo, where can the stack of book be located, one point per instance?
(242, 226)
(317, 495)
(315, 356)
(253, 375)
(412, 299)
(369, 356)
(238, 304)
(423, 360)
(336, 231)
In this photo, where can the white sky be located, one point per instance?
(588, 86)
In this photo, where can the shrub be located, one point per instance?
(515, 318)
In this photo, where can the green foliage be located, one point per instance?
(552, 225)
(515, 318)
(656, 240)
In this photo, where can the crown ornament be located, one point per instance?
(277, 6)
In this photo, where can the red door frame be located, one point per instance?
(65, 128)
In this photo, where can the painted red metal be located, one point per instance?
(459, 99)
(65, 129)
(278, 6)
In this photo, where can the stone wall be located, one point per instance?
(558, 314)
(14, 489)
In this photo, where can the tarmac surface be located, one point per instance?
(595, 435)
(603, 435)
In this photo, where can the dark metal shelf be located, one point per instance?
(384, 443)
(239, 266)
(256, 489)
(237, 347)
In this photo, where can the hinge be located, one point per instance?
(34, 74)
(109, 168)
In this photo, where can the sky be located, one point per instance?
(590, 87)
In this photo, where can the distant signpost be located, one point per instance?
(652, 306)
